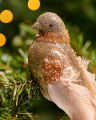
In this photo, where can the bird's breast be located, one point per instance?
(39, 51)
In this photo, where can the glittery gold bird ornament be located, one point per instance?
(61, 74)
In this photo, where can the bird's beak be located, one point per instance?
(37, 26)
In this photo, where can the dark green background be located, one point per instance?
(80, 13)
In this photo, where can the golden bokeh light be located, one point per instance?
(6, 16)
(33, 4)
(2, 40)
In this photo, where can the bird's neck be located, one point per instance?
(50, 37)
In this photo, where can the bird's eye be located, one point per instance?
(51, 25)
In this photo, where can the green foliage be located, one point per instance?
(16, 90)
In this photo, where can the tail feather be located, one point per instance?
(74, 99)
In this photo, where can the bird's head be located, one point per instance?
(49, 23)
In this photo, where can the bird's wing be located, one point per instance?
(70, 97)
(74, 99)
(52, 70)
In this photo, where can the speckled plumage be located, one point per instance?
(48, 37)
(39, 53)
(62, 76)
